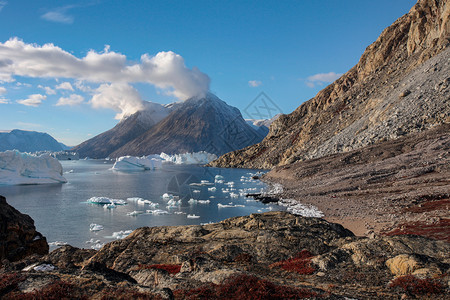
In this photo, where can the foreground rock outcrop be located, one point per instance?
(275, 255)
(400, 86)
(18, 236)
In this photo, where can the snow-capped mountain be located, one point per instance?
(197, 124)
(262, 125)
(28, 141)
(126, 130)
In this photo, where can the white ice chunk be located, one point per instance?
(212, 189)
(230, 205)
(95, 227)
(199, 158)
(57, 243)
(219, 177)
(106, 200)
(118, 235)
(157, 212)
(167, 196)
(135, 213)
(204, 201)
(97, 246)
(192, 216)
(23, 168)
(132, 163)
(234, 195)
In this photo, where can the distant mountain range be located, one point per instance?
(197, 124)
(29, 141)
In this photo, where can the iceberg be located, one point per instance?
(198, 158)
(192, 216)
(95, 227)
(24, 168)
(157, 212)
(132, 163)
(118, 235)
(106, 201)
(135, 213)
(230, 205)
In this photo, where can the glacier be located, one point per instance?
(17, 168)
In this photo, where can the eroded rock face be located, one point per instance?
(18, 236)
(399, 86)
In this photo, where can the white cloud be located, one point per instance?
(48, 90)
(121, 97)
(64, 86)
(254, 83)
(4, 101)
(71, 100)
(321, 78)
(165, 70)
(59, 15)
(33, 100)
(2, 4)
(2, 90)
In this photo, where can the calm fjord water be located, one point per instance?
(61, 212)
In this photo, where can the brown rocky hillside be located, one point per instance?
(400, 86)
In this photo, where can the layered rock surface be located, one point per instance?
(274, 251)
(18, 236)
(401, 85)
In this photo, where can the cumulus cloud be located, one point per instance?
(48, 90)
(121, 97)
(33, 100)
(59, 15)
(321, 78)
(165, 70)
(64, 86)
(2, 90)
(72, 100)
(254, 83)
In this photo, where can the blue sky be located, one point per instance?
(95, 72)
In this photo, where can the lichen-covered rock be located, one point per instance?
(267, 237)
(18, 236)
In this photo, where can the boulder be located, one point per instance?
(18, 236)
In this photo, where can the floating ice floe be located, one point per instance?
(173, 203)
(92, 241)
(135, 213)
(118, 235)
(199, 158)
(179, 213)
(157, 212)
(57, 243)
(132, 163)
(212, 189)
(23, 168)
(97, 246)
(229, 205)
(196, 191)
(203, 201)
(192, 216)
(106, 200)
(297, 208)
(219, 177)
(234, 195)
(95, 227)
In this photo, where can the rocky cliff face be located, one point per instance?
(18, 236)
(399, 86)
